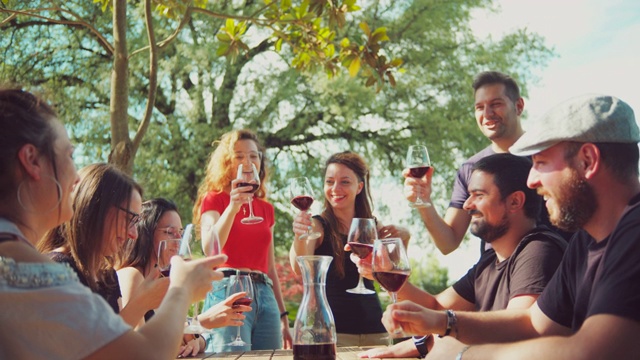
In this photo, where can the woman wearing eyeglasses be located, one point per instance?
(221, 206)
(106, 205)
(159, 220)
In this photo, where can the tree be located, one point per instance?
(302, 116)
(309, 28)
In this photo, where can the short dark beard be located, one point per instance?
(488, 232)
(577, 204)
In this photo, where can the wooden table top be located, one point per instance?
(343, 353)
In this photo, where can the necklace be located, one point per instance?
(244, 209)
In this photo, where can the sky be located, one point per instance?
(597, 46)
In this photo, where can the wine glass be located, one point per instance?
(391, 268)
(418, 163)
(182, 248)
(302, 198)
(250, 178)
(240, 283)
(362, 233)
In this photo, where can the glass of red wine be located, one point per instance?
(240, 283)
(302, 198)
(362, 233)
(418, 163)
(251, 178)
(391, 268)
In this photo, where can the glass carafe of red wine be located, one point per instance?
(314, 332)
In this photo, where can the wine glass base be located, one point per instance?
(252, 220)
(418, 205)
(237, 342)
(361, 291)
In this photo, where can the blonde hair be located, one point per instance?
(220, 173)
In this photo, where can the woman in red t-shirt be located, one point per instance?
(221, 205)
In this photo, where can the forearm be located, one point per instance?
(494, 326)
(444, 232)
(418, 296)
(133, 313)
(224, 224)
(300, 248)
(164, 330)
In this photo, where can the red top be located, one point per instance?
(247, 245)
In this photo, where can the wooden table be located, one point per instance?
(343, 353)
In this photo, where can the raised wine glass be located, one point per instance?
(182, 248)
(240, 283)
(250, 178)
(391, 268)
(362, 233)
(418, 163)
(302, 198)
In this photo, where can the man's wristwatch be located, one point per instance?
(421, 344)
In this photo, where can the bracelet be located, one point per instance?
(421, 345)
(283, 314)
(459, 357)
(452, 323)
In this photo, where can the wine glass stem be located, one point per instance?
(394, 297)
(250, 206)
(361, 283)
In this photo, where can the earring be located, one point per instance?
(25, 208)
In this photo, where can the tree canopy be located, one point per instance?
(310, 77)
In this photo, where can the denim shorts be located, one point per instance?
(262, 325)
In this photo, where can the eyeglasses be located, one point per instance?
(172, 231)
(134, 218)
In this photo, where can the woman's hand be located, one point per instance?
(364, 265)
(287, 340)
(393, 231)
(192, 346)
(152, 289)
(239, 195)
(302, 223)
(224, 313)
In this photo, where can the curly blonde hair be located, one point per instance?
(220, 173)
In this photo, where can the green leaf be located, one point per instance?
(278, 45)
(380, 34)
(345, 43)
(396, 62)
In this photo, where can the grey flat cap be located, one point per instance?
(588, 118)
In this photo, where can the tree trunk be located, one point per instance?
(121, 149)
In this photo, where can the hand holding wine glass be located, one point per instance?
(418, 163)
(250, 178)
(362, 233)
(240, 283)
(391, 268)
(302, 198)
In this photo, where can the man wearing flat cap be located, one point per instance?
(585, 165)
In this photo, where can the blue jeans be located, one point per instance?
(262, 326)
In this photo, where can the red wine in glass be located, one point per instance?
(245, 301)
(314, 352)
(254, 187)
(302, 202)
(418, 172)
(392, 281)
(166, 272)
(360, 249)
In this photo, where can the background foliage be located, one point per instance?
(241, 64)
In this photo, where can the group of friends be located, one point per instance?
(78, 250)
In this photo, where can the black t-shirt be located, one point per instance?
(598, 278)
(110, 291)
(490, 285)
(353, 313)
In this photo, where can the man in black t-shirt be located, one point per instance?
(523, 257)
(585, 164)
